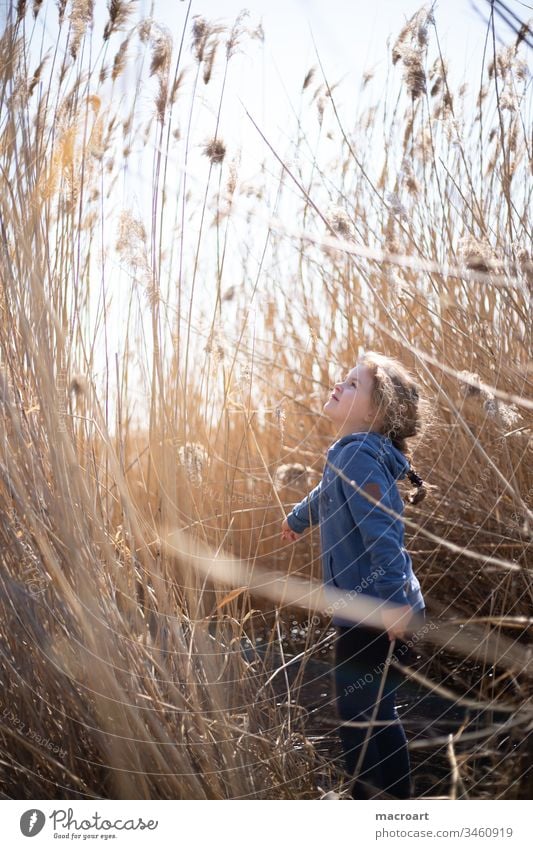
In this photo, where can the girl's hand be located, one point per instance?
(288, 533)
(396, 621)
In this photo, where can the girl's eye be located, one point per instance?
(354, 383)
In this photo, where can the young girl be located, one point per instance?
(375, 409)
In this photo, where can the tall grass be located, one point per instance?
(123, 674)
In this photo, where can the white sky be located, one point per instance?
(350, 34)
(351, 38)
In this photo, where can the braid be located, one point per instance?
(398, 407)
(417, 481)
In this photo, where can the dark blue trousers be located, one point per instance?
(360, 655)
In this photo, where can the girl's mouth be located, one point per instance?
(333, 396)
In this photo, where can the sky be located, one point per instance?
(349, 37)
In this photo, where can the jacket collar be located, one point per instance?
(380, 447)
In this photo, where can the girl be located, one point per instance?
(375, 409)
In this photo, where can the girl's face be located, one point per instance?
(350, 406)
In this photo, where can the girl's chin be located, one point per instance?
(328, 409)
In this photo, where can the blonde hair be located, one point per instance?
(398, 406)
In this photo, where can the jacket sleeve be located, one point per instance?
(305, 513)
(380, 531)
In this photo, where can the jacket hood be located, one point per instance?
(380, 447)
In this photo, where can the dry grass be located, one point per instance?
(120, 656)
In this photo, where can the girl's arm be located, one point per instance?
(305, 513)
(379, 530)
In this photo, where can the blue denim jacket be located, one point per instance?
(362, 545)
